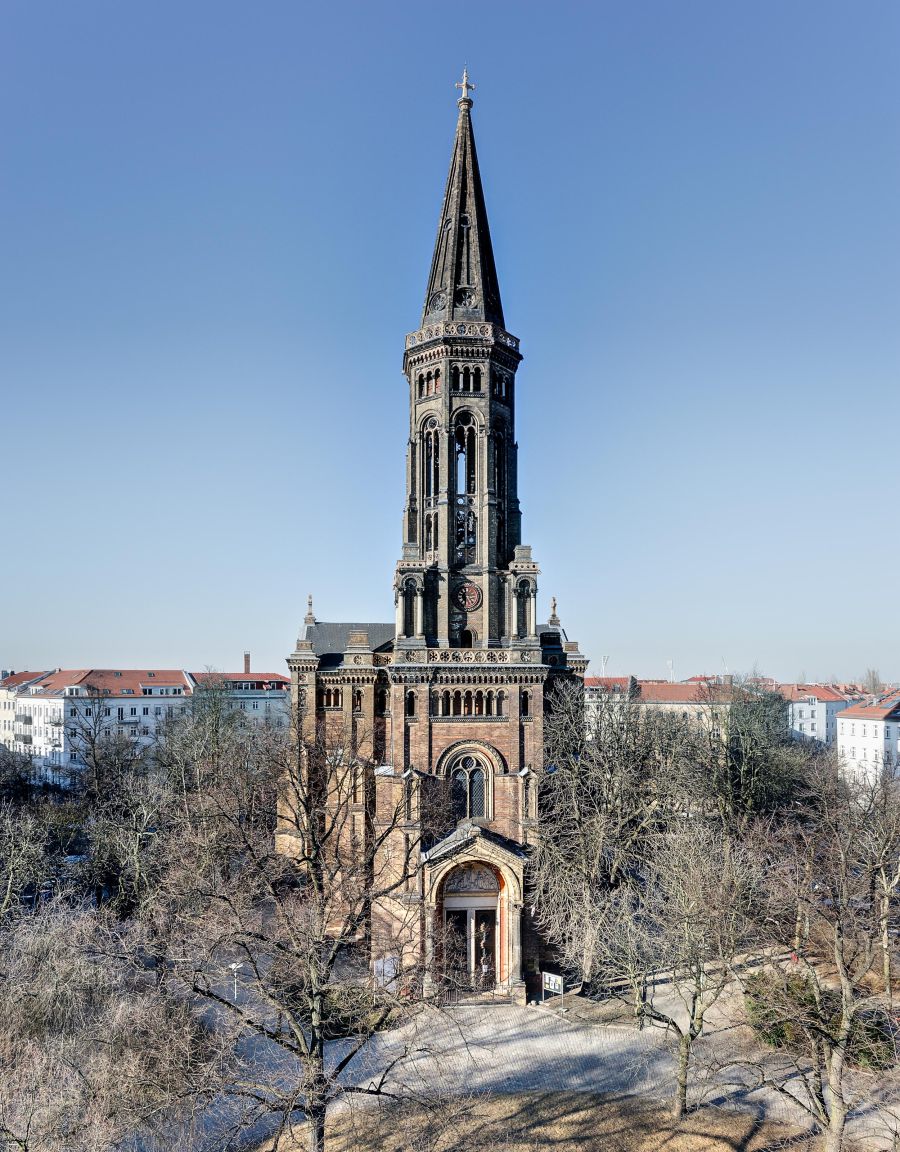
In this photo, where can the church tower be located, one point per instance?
(464, 579)
(444, 706)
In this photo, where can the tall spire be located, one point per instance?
(463, 282)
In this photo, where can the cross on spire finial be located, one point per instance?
(466, 85)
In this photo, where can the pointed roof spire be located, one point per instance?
(463, 282)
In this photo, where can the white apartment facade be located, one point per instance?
(57, 716)
(869, 735)
(52, 717)
(11, 684)
(260, 697)
(813, 711)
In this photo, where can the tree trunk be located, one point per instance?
(833, 1137)
(679, 1104)
(886, 948)
(315, 1140)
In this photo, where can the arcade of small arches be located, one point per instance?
(464, 378)
(469, 702)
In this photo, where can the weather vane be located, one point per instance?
(465, 84)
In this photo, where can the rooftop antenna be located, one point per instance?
(604, 660)
(725, 665)
(670, 664)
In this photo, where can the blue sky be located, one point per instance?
(216, 223)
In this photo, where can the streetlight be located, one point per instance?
(234, 971)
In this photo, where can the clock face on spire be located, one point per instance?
(467, 597)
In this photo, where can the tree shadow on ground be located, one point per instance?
(557, 1122)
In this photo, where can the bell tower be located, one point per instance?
(464, 579)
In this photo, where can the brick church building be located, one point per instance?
(451, 694)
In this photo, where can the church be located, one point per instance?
(451, 694)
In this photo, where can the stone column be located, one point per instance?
(420, 613)
(398, 612)
(515, 981)
(428, 984)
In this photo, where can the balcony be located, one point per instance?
(23, 717)
(24, 738)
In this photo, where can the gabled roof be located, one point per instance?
(608, 683)
(463, 282)
(462, 837)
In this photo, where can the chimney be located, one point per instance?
(246, 663)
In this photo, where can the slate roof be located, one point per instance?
(330, 638)
(463, 282)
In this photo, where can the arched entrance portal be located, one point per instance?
(471, 900)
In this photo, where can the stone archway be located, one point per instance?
(472, 953)
(477, 885)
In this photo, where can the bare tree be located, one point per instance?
(669, 938)
(820, 1007)
(745, 762)
(872, 682)
(93, 1051)
(23, 857)
(603, 790)
(279, 938)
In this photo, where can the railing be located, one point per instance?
(24, 718)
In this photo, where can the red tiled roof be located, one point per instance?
(607, 681)
(797, 692)
(233, 677)
(60, 679)
(665, 692)
(17, 679)
(114, 682)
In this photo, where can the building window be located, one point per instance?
(468, 789)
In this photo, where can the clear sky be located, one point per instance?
(216, 224)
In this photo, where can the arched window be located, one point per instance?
(428, 539)
(457, 703)
(410, 703)
(476, 380)
(500, 702)
(479, 703)
(489, 704)
(466, 638)
(468, 789)
(409, 608)
(523, 595)
(466, 380)
(380, 702)
(454, 378)
(467, 704)
(421, 386)
(526, 703)
(357, 700)
(437, 379)
(445, 703)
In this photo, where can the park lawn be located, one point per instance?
(563, 1122)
